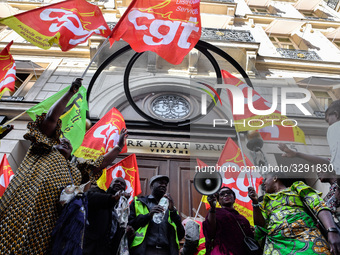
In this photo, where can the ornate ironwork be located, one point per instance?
(227, 35)
(267, 14)
(111, 24)
(221, 1)
(298, 54)
(332, 3)
(32, 1)
(319, 18)
(320, 114)
(173, 107)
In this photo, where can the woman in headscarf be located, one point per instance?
(28, 208)
(284, 221)
(222, 227)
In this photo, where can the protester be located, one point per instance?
(221, 228)
(194, 243)
(152, 238)
(103, 231)
(28, 208)
(284, 222)
(332, 117)
(325, 176)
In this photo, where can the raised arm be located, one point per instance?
(310, 158)
(50, 122)
(112, 154)
(212, 215)
(258, 217)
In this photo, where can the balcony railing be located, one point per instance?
(227, 35)
(267, 14)
(320, 114)
(319, 18)
(298, 54)
(32, 1)
(220, 1)
(332, 3)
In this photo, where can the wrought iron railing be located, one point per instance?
(221, 1)
(319, 18)
(298, 54)
(332, 3)
(267, 14)
(227, 35)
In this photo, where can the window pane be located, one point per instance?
(284, 39)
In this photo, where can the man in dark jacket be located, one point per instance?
(103, 233)
(151, 238)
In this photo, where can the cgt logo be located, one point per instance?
(158, 37)
(67, 19)
(242, 99)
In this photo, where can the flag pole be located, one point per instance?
(11, 120)
(198, 209)
(243, 157)
(239, 142)
(83, 75)
(95, 55)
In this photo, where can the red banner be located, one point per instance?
(170, 28)
(6, 174)
(67, 24)
(126, 168)
(239, 177)
(271, 123)
(103, 136)
(7, 70)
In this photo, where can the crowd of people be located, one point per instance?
(93, 221)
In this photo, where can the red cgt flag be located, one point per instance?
(7, 70)
(126, 168)
(272, 130)
(103, 136)
(238, 177)
(170, 28)
(67, 24)
(6, 174)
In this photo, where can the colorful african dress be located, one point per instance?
(28, 208)
(289, 229)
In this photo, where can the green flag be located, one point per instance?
(74, 117)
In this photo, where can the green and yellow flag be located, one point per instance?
(74, 117)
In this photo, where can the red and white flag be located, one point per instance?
(7, 70)
(126, 168)
(67, 24)
(170, 28)
(103, 136)
(237, 177)
(272, 128)
(6, 174)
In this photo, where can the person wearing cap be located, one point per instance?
(103, 232)
(152, 238)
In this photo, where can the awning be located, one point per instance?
(307, 5)
(335, 34)
(284, 26)
(6, 10)
(258, 2)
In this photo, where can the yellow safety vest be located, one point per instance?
(140, 233)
